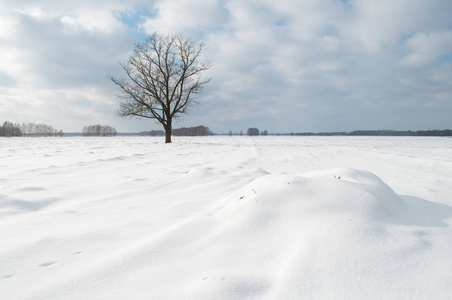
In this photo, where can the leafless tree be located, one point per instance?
(9, 129)
(99, 130)
(164, 74)
(253, 131)
(192, 131)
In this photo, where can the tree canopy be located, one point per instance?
(164, 74)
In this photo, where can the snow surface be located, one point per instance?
(226, 218)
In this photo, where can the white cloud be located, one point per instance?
(190, 17)
(284, 65)
(53, 56)
(426, 48)
(93, 21)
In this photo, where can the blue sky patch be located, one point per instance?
(447, 58)
(134, 18)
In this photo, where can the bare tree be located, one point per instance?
(192, 131)
(99, 130)
(252, 131)
(164, 74)
(9, 129)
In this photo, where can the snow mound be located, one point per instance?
(336, 234)
(332, 234)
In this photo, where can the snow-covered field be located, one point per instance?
(226, 218)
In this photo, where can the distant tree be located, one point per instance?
(164, 73)
(39, 129)
(192, 131)
(265, 132)
(8, 129)
(99, 130)
(230, 133)
(152, 133)
(23, 128)
(253, 131)
(60, 133)
(241, 132)
(29, 129)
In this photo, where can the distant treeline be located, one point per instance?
(99, 130)
(192, 131)
(189, 131)
(9, 129)
(446, 132)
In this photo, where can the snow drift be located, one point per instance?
(218, 233)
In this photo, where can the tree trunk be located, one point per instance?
(168, 134)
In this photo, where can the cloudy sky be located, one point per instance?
(283, 66)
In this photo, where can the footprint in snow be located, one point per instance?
(47, 264)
